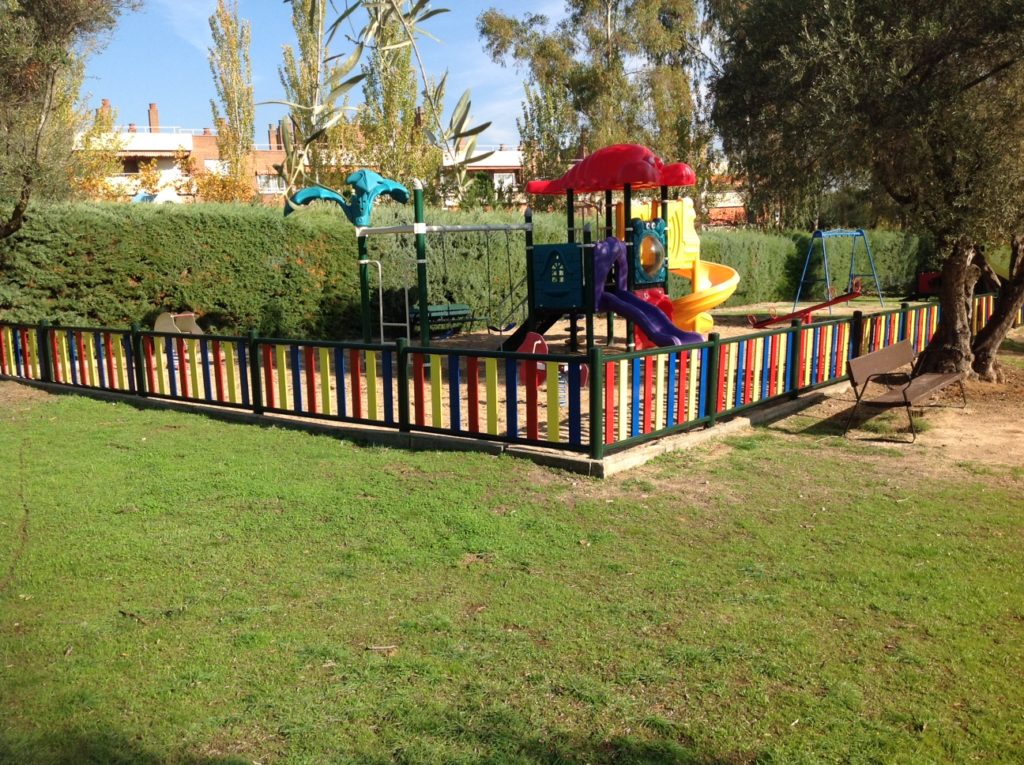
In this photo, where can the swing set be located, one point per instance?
(448, 317)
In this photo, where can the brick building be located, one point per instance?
(162, 144)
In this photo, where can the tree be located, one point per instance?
(627, 71)
(548, 131)
(922, 101)
(232, 77)
(392, 119)
(315, 84)
(96, 159)
(42, 46)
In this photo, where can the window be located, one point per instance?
(130, 165)
(270, 184)
(504, 180)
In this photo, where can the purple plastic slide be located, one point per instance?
(653, 321)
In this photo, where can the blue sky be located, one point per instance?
(159, 54)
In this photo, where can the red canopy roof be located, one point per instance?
(611, 168)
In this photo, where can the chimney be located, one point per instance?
(132, 128)
(207, 131)
(104, 109)
(154, 119)
(272, 135)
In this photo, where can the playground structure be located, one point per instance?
(568, 279)
(626, 275)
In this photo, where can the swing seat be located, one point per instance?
(446, 316)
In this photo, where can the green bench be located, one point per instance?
(448, 317)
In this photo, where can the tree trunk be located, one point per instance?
(950, 348)
(16, 219)
(1008, 304)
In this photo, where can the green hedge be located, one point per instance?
(243, 267)
(762, 261)
(239, 266)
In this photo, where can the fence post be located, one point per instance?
(138, 363)
(857, 334)
(254, 373)
(402, 359)
(45, 359)
(711, 393)
(596, 360)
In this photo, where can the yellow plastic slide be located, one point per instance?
(713, 283)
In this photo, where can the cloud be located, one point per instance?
(189, 20)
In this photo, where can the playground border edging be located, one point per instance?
(603, 468)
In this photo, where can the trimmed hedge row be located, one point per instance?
(243, 267)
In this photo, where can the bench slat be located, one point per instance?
(920, 388)
(878, 362)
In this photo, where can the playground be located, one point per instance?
(596, 357)
(842, 603)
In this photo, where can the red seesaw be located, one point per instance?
(805, 315)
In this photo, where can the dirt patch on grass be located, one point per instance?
(14, 394)
(988, 431)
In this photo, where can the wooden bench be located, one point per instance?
(450, 316)
(902, 388)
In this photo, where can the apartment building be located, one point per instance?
(153, 142)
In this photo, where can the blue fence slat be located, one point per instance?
(454, 389)
(702, 390)
(98, 355)
(339, 378)
(670, 403)
(634, 416)
(296, 370)
(511, 398)
(204, 361)
(73, 356)
(243, 372)
(171, 369)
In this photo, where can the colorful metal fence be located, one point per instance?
(19, 352)
(521, 398)
(198, 368)
(651, 393)
(598, 404)
(90, 357)
(346, 382)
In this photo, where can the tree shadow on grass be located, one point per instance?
(497, 736)
(493, 742)
(96, 748)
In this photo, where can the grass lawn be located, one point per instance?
(175, 589)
